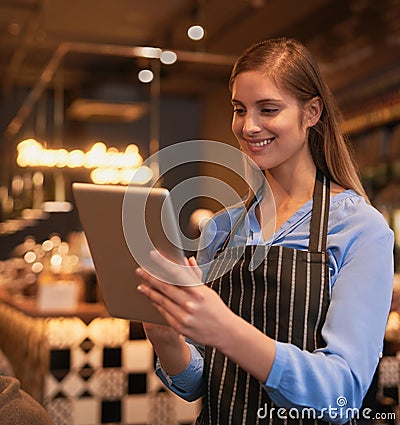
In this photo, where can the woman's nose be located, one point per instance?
(251, 125)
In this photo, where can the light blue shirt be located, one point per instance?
(360, 249)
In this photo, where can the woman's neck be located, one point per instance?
(294, 187)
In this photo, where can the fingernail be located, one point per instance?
(139, 271)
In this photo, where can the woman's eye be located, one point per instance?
(269, 110)
(239, 111)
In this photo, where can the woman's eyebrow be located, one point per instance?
(259, 101)
(269, 100)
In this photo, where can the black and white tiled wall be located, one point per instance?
(103, 373)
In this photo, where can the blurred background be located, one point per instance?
(90, 90)
(127, 78)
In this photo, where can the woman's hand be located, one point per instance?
(193, 310)
(200, 314)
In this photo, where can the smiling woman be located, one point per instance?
(296, 332)
(269, 124)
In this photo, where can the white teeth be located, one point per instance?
(263, 143)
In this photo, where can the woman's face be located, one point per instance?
(267, 122)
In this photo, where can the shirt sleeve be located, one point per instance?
(334, 379)
(188, 384)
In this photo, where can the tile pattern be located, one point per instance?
(103, 372)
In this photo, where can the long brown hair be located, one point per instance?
(292, 68)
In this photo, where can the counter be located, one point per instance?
(86, 367)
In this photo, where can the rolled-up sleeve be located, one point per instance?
(188, 384)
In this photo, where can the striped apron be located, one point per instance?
(285, 296)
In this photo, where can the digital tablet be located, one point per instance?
(122, 225)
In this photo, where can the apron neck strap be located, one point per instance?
(319, 217)
(320, 213)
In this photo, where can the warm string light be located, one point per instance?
(31, 153)
(108, 164)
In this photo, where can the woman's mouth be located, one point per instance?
(261, 143)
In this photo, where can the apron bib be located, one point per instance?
(286, 297)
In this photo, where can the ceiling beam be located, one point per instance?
(102, 49)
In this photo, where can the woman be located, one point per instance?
(304, 330)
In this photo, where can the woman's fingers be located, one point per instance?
(180, 305)
(168, 290)
(175, 313)
(180, 295)
(177, 274)
(196, 312)
(171, 319)
(193, 263)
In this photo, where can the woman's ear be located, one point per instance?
(313, 110)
